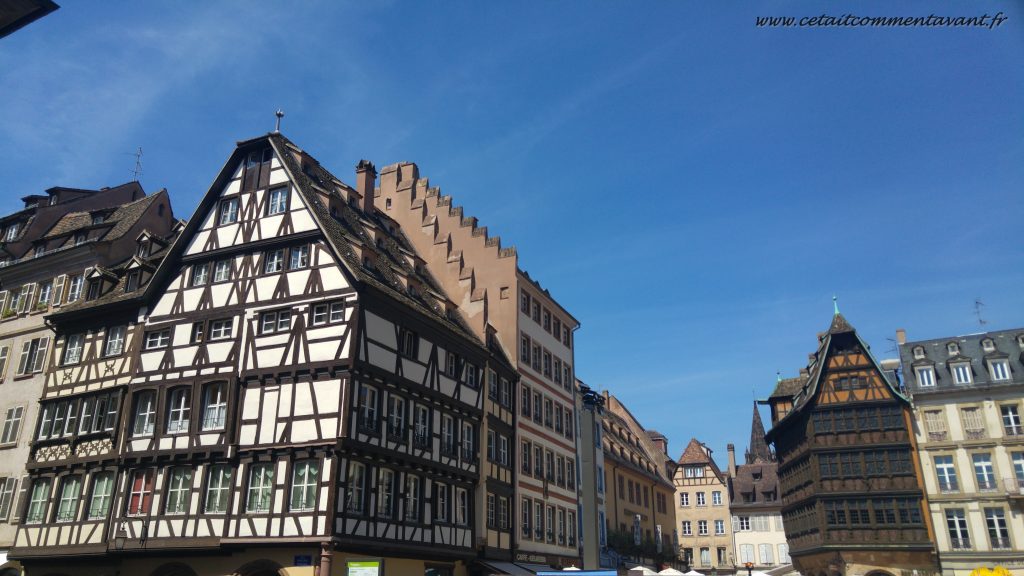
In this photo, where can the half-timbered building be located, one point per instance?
(852, 494)
(501, 302)
(303, 393)
(51, 250)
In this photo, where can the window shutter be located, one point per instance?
(19, 511)
(6, 496)
(58, 290)
(25, 298)
(26, 347)
(44, 344)
(4, 353)
(3, 301)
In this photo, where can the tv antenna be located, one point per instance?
(137, 172)
(978, 305)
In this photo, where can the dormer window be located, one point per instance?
(93, 291)
(53, 200)
(988, 345)
(925, 376)
(131, 282)
(97, 219)
(143, 250)
(918, 353)
(12, 233)
(1000, 369)
(962, 373)
(1020, 340)
(80, 238)
(953, 348)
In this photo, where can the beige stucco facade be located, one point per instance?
(702, 511)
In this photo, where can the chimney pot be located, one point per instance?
(732, 460)
(366, 178)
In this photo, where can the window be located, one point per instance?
(536, 311)
(471, 375)
(447, 435)
(962, 373)
(178, 410)
(702, 527)
(1011, 420)
(367, 420)
(974, 426)
(412, 497)
(468, 434)
(304, 479)
(179, 486)
(215, 406)
(548, 412)
(946, 473)
(73, 349)
(67, 505)
(222, 271)
(550, 524)
(526, 508)
(75, 287)
(396, 417)
(407, 343)
(228, 211)
(115, 340)
(12, 233)
(524, 409)
(200, 274)
(525, 451)
(261, 483)
(158, 339)
(492, 384)
(925, 376)
(298, 257)
(956, 523)
(141, 495)
(461, 506)
(198, 332)
(356, 487)
(273, 261)
(102, 489)
(503, 515)
(705, 557)
(328, 312)
(45, 291)
(684, 499)
(687, 528)
(421, 426)
(694, 471)
(764, 552)
(536, 357)
(12, 425)
(744, 523)
(935, 424)
(38, 501)
(524, 349)
(503, 455)
(275, 321)
(218, 488)
(719, 527)
(524, 302)
(1018, 466)
(547, 364)
(983, 471)
(145, 413)
(220, 329)
(716, 498)
(33, 354)
(998, 534)
(4, 352)
(278, 201)
(1000, 369)
(700, 499)
(440, 502)
(99, 413)
(538, 464)
(538, 520)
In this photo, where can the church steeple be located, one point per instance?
(758, 450)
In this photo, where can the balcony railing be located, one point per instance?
(961, 543)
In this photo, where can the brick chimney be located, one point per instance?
(366, 179)
(732, 460)
(901, 336)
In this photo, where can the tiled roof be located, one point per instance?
(694, 453)
(119, 220)
(758, 450)
(745, 482)
(788, 387)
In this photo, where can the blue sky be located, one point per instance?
(691, 187)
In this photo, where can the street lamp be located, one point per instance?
(120, 538)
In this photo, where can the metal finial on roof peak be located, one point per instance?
(778, 376)
(835, 305)
(279, 114)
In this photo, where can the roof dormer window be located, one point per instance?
(988, 345)
(131, 281)
(11, 233)
(94, 290)
(143, 250)
(1020, 340)
(961, 373)
(953, 348)
(97, 219)
(918, 352)
(80, 238)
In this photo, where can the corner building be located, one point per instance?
(502, 305)
(968, 396)
(302, 394)
(853, 499)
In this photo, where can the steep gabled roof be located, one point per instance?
(838, 327)
(694, 453)
(758, 450)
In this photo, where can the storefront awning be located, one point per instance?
(502, 568)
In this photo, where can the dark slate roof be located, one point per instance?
(349, 227)
(788, 387)
(1007, 344)
(119, 220)
(746, 481)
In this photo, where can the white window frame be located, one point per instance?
(999, 369)
(179, 410)
(215, 406)
(144, 414)
(220, 329)
(925, 376)
(158, 339)
(114, 344)
(298, 257)
(67, 503)
(179, 487)
(12, 425)
(961, 373)
(261, 486)
(218, 489)
(305, 477)
(273, 261)
(277, 201)
(38, 501)
(412, 497)
(356, 487)
(228, 213)
(222, 270)
(102, 492)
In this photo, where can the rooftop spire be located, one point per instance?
(758, 450)
(835, 305)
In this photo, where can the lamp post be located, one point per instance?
(120, 538)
